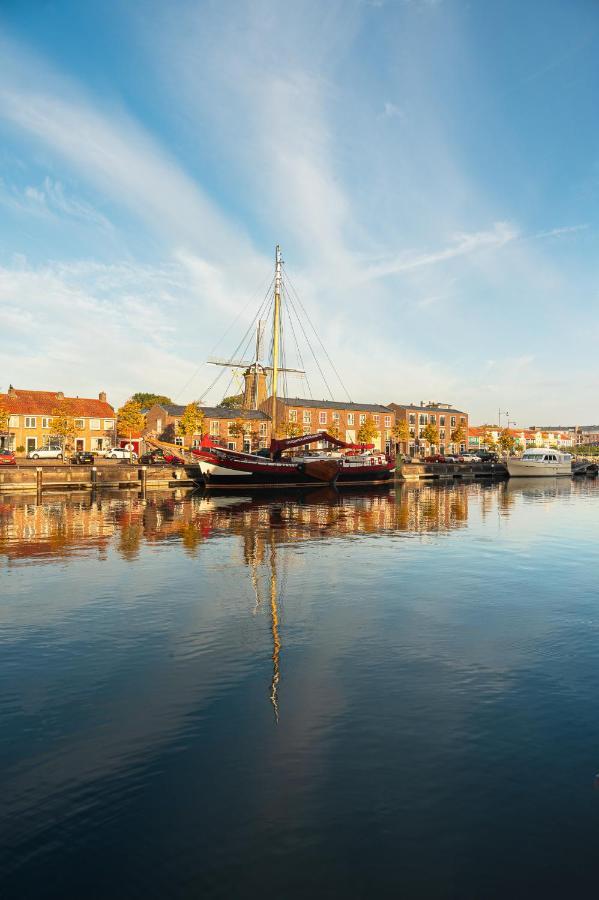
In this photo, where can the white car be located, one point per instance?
(120, 453)
(51, 451)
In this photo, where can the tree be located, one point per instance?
(62, 426)
(333, 431)
(192, 420)
(130, 418)
(431, 434)
(367, 432)
(458, 435)
(401, 432)
(235, 401)
(146, 399)
(506, 441)
(292, 429)
(4, 419)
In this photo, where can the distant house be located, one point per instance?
(30, 415)
(224, 426)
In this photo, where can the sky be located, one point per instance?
(429, 167)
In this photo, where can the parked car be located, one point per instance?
(469, 458)
(50, 451)
(7, 458)
(120, 453)
(486, 456)
(435, 458)
(83, 458)
(159, 458)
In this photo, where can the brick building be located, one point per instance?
(220, 422)
(342, 419)
(442, 416)
(30, 414)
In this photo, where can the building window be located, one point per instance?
(322, 418)
(79, 424)
(453, 420)
(179, 441)
(442, 434)
(293, 415)
(29, 421)
(362, 419)
(109, 423)
(376, 419)
(441, 420)
(214, 428)
(95, 424)
(159, 426)
(13, 422)
(307, 417)
(335, 417)
(432, 419)
(462, 420)
(231, 445)
(387, 421)
(350, 418)
(422, 420)
(262, 429)
(412, 418)
(262, 445)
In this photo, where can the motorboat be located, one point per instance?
(540, 462)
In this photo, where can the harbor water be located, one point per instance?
(376, 693)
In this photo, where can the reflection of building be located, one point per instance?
(451, 426)
(343, 420)
(30, 415)
(237, 429)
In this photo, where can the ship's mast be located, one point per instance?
(275, 340)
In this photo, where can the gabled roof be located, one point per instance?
(44, 403)
(335, 404)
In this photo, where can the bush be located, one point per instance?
(21, 449)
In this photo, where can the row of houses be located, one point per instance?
(525, 438)
(29, 416)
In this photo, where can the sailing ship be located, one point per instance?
(289, 462)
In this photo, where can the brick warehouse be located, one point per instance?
(220, 422)
(442, 416)
(323, 415)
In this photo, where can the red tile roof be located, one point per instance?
(44, 403)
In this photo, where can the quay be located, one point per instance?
(415, 471)
(47, 476)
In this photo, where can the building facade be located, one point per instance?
(296, 415)
(30, 416)
(524, 438)
(451, 425)
(244, 430)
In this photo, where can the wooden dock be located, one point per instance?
(48, 476)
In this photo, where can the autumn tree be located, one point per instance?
(4, 419)
(506, 441)
(292, 429)
(334, 431)
(192, 421)
(430, 434)
(130, 419)
(458, 435)
(62, 425)
(401, 432)
(367, 432)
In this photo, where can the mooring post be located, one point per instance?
(94, 475)
(143, 472)
(38, 483)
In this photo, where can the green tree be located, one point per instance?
(62, 426)
(130, 419)
(431, 434)
(192, 421)
(367, 432)
(506, 441)
(146, 399)
(235, 401)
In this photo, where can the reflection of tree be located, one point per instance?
(130, 537)
(191, 537)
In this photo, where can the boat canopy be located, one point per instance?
(278, 446)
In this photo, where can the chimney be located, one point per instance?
(102, 396)
(11, 391)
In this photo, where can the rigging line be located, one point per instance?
(221, 339)
(311, 348)
(299, 353)
(249, 332)
(332, 364)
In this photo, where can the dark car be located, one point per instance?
(159, 458)
(487, 456)
(83, 458)
(7, 458)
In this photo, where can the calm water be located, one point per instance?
(378, 694)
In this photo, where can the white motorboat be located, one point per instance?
(540, 463)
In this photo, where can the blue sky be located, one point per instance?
(430, 167)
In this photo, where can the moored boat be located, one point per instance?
(540, 462)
